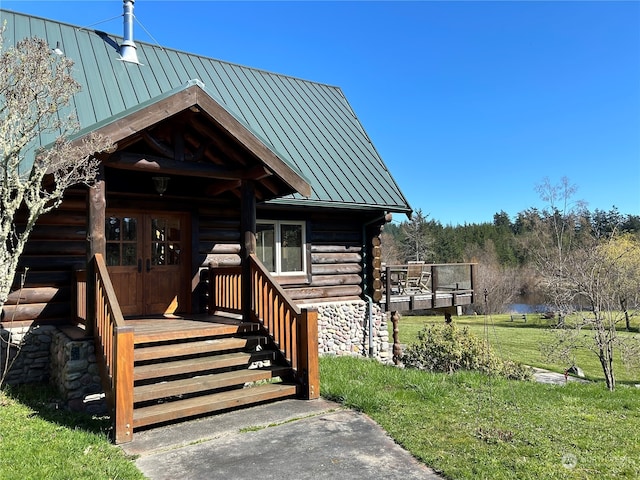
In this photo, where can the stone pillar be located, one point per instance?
(75, 373)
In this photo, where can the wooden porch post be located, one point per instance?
(248, 227)
(123, 386)
(96, 243)
(309, 366)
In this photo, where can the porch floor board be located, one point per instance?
(161, 329)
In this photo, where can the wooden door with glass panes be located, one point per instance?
(145, 259)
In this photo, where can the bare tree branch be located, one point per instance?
(38, 162)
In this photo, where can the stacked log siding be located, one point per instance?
(56, 248)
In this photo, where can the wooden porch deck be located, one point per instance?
(161, 328)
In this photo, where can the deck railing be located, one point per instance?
(294, 330)
(225, 289)
(453, 280)
(114, 352)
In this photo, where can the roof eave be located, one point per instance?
(406, 209)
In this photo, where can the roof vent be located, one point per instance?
(128, 47)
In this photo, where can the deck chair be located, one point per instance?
(417, 278)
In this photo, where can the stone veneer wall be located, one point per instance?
(76, 375)
(46, 354)
(343, 329)
(28, 350)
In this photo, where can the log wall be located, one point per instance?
(58, 245)
(56, 248)
(334, 250)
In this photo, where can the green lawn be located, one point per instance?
(470, 426)
(519, 341)
(40, 442)
(465, 425)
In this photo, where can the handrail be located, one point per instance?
(294, 330)
(114, 352)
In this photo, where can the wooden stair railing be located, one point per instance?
(114, 352)
(294, 330)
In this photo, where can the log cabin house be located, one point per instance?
(232, 236)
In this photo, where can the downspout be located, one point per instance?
(364, 276)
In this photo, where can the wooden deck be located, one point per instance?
(438, 286)
(427, 301)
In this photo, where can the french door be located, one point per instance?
(147, 259)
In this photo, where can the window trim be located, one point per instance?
(297, 276)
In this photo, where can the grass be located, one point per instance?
(41, 442)
(464, 425)
(470, 426)
(520, 341)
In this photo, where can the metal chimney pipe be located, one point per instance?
(128, 47)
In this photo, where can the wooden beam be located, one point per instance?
(248, 229)
(218, 142)
(199, 146)
(157, 146)
(178, 144)
(140, 162)
(96, 241)
(221, 187)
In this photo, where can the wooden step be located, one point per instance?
(201, 364)
(145, 393)
(153, 331)
(170, 411)
(197, 347)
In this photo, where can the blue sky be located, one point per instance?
(470, 104)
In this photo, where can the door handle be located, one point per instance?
(148, 265)
(139, 265)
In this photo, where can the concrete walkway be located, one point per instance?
(288, 440)
(545, 376)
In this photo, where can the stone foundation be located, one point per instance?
(343, 329)
(28, 351)
(44, 354)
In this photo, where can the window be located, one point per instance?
(122, 241)
(280, 246)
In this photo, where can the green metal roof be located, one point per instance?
(309, 125)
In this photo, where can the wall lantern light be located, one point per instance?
(161, 184)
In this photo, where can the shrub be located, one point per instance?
(447, 348)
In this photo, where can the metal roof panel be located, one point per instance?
(309, 125)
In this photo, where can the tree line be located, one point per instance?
(507, 240)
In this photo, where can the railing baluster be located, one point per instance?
(116, 341)
(273, 308)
